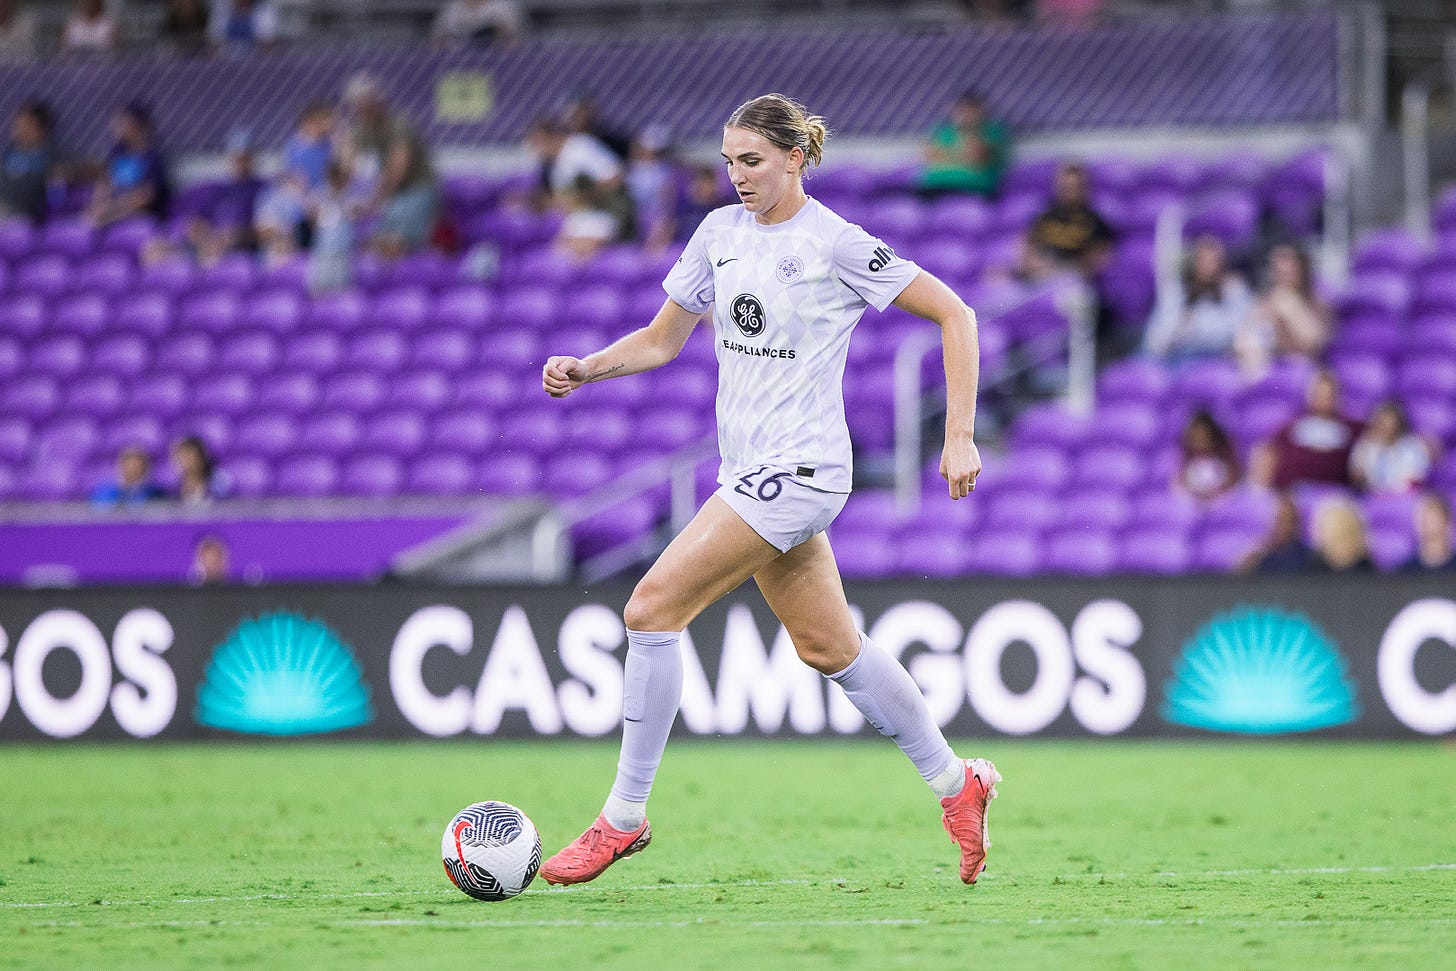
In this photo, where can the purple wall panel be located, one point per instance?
(1248, 69)
(127, 551)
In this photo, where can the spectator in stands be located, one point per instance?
(1340, 542)
(28, 162)
(705, 191)
(652, 185)
(185, 27)
(242, 25)
(133, 484)
(967, 152)
(1209, 466)
(134, 181)
(225, 223)
(1070, 236)
(385, 152)
(17, 32)
(280, 219)
(198, 478)
(1315, 447)
(1288, 318)
(211, 562)
(1435, 549)
(478, 21)
(581, 117)
(1197, 316)
(89, 29)
(1284, 549)
(583, 178)
(1389, 456)
(331, 263)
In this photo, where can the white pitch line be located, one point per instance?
(726, 885)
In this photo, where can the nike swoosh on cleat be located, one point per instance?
(730, 259)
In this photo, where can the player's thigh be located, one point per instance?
(804, 590)
(715, 553)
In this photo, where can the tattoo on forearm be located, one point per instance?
(605, 373)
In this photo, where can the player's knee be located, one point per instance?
(825, 654)
(650, 609)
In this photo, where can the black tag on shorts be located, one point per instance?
(805, 472)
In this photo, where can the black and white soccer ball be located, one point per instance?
(491, 850)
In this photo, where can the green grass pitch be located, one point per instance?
(766, 855)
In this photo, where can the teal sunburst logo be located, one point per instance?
(1260, 671)
(282, 674)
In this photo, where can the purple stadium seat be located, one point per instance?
(1435, 294)
(598, 430)
(1244, 509)
(531, 429)
(1080, 552)
(420, 391)
(467, 306)
(1389, 511)
(1388, 251)
(163, 395)
(1433, 416)
(1049, 424)
(1155, 551)
(948, 257)
(1424, 376)
(22, 315)
(441, 474)
(510, 474)
(381, 351)
(1026, 511)
(863, 555)
(279, 311)
(1245, 169)
(427, 268)
(1128, 282)
(490, 391)
(1009, 552)
(1208, 382)
(1109, 466)
(237, 272)
(530, 308)
(61, 355)
(1040, 468)
(212, 311)
(17, 238)
(294, 393)
(215, 430)
(251, 475)
(307, 476)
(148, 313)
(15, 439)
(1100, 509)
(1294, 191)
(1391, 548)
(139, 431)
(187, 354)
(65, 440)
(174, 276)
(1376, 293)
(1230, 215)
(372, 475)
(254, 352)
(111, 274)
(1137, 425)
(1443, 476)
(48, 275)
(466, 432)
(1261, 418)
(398, 433)
(69, 237)
(575, 472)
(123, 354)
(316, 351)
(1433, 333)
(12, 356)
(448, 350)
(598, 307)
(517, 350)
(674, 426)
(404, 308)
(938, 554)
(34, 397)
(1220, 550)
(55, 482)
(326, 433)
(1135, 379)
(622, 523)
(86, 315)
(341, 311)
(94, 396)
(1375, 332)
(129, 235)
(268, 435)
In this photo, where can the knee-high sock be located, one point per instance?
(651, 695)
(888, 697)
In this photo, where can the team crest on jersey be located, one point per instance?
(748, 314)
(790, 270)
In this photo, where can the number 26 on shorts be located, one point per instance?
(765, 489)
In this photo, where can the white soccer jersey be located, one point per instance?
(785, 299)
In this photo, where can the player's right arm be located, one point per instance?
(642, 350)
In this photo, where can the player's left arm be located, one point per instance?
(927, 297)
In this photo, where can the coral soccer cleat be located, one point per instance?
(965, 817)
(593, 851)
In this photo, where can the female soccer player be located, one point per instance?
(788, 280)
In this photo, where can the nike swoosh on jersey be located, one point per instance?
(731, 259)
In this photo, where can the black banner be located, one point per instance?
(1336, 657)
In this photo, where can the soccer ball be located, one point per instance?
(491, 850)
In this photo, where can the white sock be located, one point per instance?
(651, 694)
(888, 697)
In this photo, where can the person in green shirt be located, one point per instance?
(967, 152)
